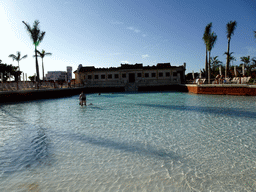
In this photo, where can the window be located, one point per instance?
(102, 76)
(138, 74)
(96, 76)
(146, 74)
(160, 74)
(167, 74)
(116, 76)
(153, 74)
(89, 77)
(174, 74)
(109, 76)
(123, 75)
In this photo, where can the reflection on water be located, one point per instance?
(129, 142)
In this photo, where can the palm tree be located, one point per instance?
(37, 37)
(215, 63)
(246, 61)
(17, 58)
(42, 54)
(255, 34)
(210, 44)
(206, 35)
(231, 26)
(231, 58)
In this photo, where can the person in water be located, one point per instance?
(82, 99)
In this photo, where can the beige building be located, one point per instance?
(131, 76)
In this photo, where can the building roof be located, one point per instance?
(127, 66)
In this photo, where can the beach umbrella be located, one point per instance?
(220, 70)
(193, 75)
(235, 70)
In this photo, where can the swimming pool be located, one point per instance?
(167, 141)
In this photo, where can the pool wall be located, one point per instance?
(26, 95)
(223, 89)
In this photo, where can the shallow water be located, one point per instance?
(129, 142)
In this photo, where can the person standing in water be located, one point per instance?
(82, 99)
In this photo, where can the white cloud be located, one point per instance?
(133, 29)
(125, 62)
(144, 56)
(144, 35)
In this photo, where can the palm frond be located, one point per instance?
(43, 53)
(35, 34)
(211, 41)
(41, 36)
(13, 56)
(231, 26)
(207, 32)
(18, 55)
(27, 26)
(25, 56)
(226, 53)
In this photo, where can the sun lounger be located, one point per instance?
(227, 80)
(235, 80)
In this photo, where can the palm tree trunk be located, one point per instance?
(209, 68)
(37, 69)
(43, 67)
(227, 63)
(206, 64)
(19, 70)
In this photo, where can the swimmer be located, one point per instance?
(82, 99)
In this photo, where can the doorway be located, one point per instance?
(131, 77)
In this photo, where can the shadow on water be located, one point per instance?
(32, 149)
(132, 147)
(27, 150)
(234, 112)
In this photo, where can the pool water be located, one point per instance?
(167, 141)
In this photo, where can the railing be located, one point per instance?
(29, 85)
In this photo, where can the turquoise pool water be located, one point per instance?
(129, 142)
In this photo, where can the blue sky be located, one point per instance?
(107, 33)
